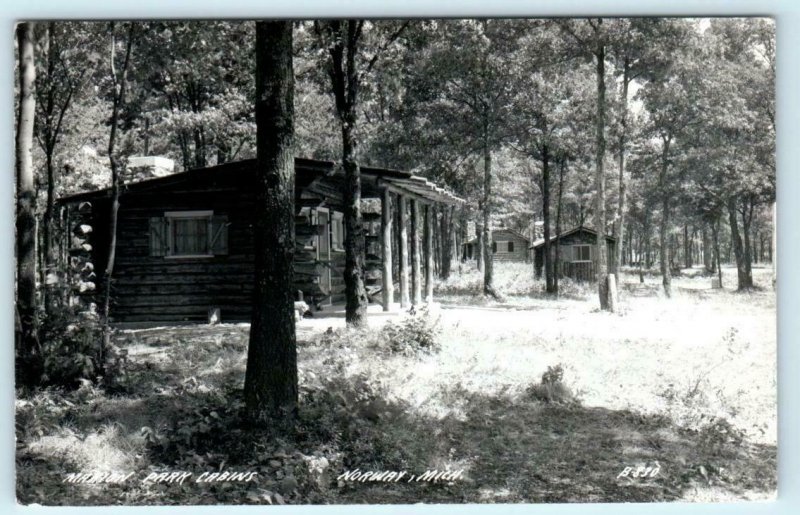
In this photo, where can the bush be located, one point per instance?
(416, 333)
(73, 349)
(551, 389)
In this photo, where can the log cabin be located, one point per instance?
(185, 240)
(577, 256)
(507, 245)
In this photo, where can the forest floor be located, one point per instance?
(685, 386)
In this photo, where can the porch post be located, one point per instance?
(386, 245)
(429, 214)
(403, 250)
(416, 261)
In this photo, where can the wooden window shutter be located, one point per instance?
(158, 236)
(219, 235)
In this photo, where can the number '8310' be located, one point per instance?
(640, 472)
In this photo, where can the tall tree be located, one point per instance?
(119, 83)
(592, 38)
(675, 101)
(347, 69)
(56, 89)
(471, 65)
(29, 352)
(548, 122)
(270, 388)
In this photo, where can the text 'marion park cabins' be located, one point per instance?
(185, 240)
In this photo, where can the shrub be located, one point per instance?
(74, 351)
(417, 332)
(551, 389)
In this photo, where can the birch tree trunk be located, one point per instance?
(28, 349)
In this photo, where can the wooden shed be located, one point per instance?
(577, 258)
(185, 241)
(507, 245)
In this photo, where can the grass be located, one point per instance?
(687, 383)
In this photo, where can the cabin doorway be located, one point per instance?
(324, 253)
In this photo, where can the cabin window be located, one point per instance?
(337, 231)
(185, 234)
(581, 253)
(503, 247)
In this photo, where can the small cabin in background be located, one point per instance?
(507, 245)
(577, 256)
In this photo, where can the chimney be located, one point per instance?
(141, 168)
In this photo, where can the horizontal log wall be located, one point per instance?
(158, 289)
(152, 288)
(521, 245)
(149, 288)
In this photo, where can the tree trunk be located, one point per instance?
(48, 147)
(478, 249)
(557, 259)
(28, 349)
(429, 216)
(600, 180)
(270, 387)
(620, 232)
(402, 250)
(120, 85)
(648, 256)
(47, 227)
(747, 218)
(687, 249)
(416, 251)
(345, 82)
(738, 250)
(708, 262)
(548, 256)
(447, 241)
(715, 237)
(665, 257)
(387, 286)
(640, 251)
(488, 257)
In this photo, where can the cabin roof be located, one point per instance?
(307, 171)
(580, 228)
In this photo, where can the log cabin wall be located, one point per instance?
(509, 246)
(506, 246)
(185, 242)
(151, 286)
(155, 288)
(570, 266)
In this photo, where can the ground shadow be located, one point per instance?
(512, 449)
